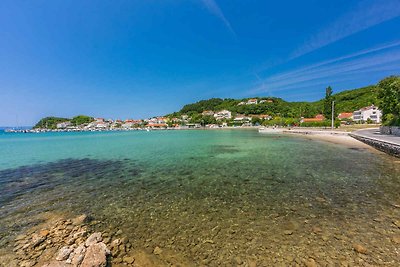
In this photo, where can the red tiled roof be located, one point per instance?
(345, 115)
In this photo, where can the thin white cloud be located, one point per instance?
(214, 9)
(367, 14)
(382, 58)
(300, 71)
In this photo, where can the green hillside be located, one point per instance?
(51, 122)
(346, 101)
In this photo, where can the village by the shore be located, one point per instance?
(221, 118)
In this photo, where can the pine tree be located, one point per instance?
(328, 103)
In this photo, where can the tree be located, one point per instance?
(328, 103)
(50, 122)
(81, 119)
(208, 120)
(389, 94)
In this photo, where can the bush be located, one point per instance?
(325, 123)
(81, 119)
(389, 95)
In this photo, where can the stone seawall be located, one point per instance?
(389, 148)
(392, 130)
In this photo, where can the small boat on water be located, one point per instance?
(272, 130)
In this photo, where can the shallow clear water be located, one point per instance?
(219, 197)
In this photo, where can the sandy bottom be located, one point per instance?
(340, 140)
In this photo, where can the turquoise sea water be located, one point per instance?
(219, 197)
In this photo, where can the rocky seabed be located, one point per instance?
(69, 243)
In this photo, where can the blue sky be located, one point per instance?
(136, 59)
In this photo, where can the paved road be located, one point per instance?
(373, 133)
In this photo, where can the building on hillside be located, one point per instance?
(345, 116)
(99, 120)
(127, 125)
(63, 125)
(102, 125)
(262, 116)
(157, 125)
(223, 114)
(252, 101)
(239, 118)
(207, 113)
(266, 101)
(372, 113)
(317, 118)
(158, 120)
(241, 103)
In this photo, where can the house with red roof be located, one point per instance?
(345, 116)
(317, 118)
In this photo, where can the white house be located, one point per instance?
(223, 114)
(252, 101)
(63, 125)
(102, 125)
(241, 118)
(208, 113)
(127, 125)
(371, 112)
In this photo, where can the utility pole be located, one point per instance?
(333, 114)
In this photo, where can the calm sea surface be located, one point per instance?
(223, 197)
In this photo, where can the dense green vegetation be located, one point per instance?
(346, 101)
(389, 94)
(50, 122)
(81, 119)
(350, 100)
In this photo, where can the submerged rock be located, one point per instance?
(288, 232)
(310, 263)
(37, 240)
(360, 249)
(79, 254)
(56, 264)
(64, 253)
(80, 219)
(128, 259)
(27, 263)
(93, 238)
(157, 251)
(44, 233)
(96, 255)
(396, 239)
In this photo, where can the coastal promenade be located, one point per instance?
(386, 143)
